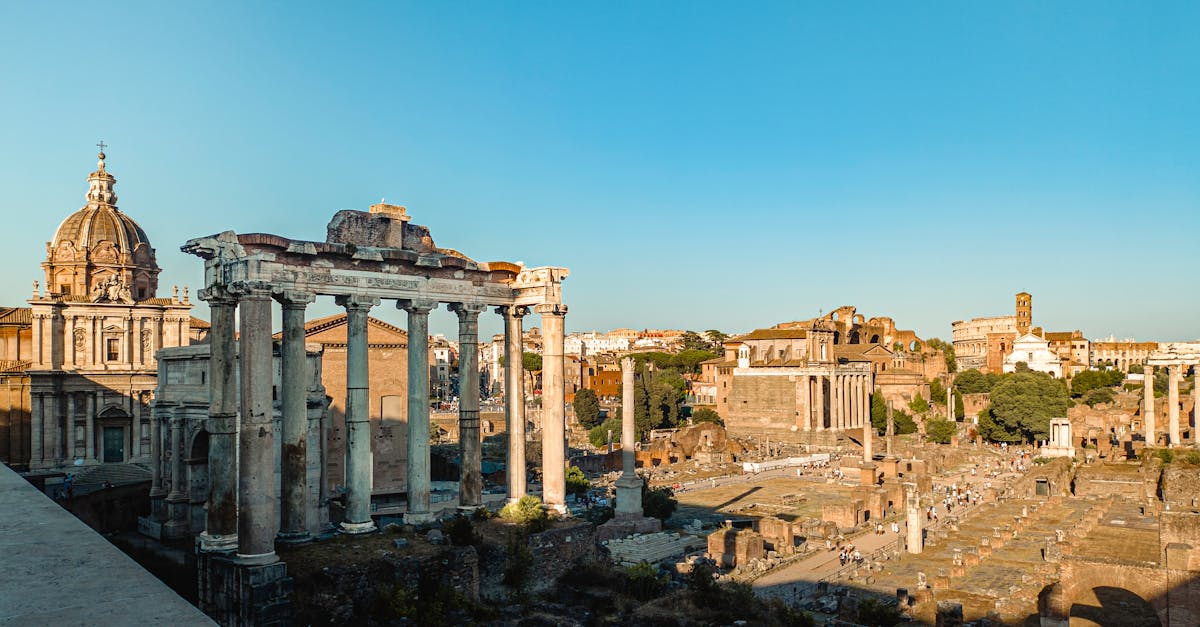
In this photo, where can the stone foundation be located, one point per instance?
(236, 594)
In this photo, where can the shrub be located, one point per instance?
(1095, 396)
(1165, 454)
(644, 582)
(919, 405)
(1193, 458)
(876, 614)
(704, 414)
(598, 435)
(517, 563)
(658, 502)
(461, 532)
(940, 431)
(577, 482)
(527, 511)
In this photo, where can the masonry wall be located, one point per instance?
(762, 402)
(388, 369)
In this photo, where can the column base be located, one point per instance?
(354, 529)
(419, 518)
(467, 510)
(259, 559)
(557, 507)
(512, 499)
(293, 538)
(218, 543)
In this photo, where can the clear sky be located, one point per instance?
(695, 164)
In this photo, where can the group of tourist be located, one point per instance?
(849, 554)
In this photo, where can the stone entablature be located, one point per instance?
(367, 258)
(1175, 357)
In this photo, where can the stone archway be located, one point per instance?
(114, 433)
(1106, 593)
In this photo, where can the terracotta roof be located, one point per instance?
(1062, 336)
(16, 315)
(200, 324)
(775, 334)
(317, 325)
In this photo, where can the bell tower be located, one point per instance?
(1024, 312)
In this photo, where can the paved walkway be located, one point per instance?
(58, 571)
(798, 578)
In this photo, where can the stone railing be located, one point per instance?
(14, 365)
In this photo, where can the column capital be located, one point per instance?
(627, 364)
(553, 309)
(216, 295)
(295, 299)
(467, 311)
(250, 289)
(513, 311)
(417, 306)
(356, 302)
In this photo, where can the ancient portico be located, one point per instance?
(368, 258)
(1175, 357)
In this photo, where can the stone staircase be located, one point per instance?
(89, 479)
(651, 547)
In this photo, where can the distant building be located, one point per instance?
(1034, 351)
(1120, 354)
(79, 367)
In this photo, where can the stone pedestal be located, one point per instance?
(867, 474)
(235, 593)
(949, 614)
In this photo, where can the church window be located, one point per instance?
(113, 349)
(64, 289)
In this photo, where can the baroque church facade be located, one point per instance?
(79, 362)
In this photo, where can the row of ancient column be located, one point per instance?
(1174, 374)
(849, 401)
(241, 505)
(54, 438)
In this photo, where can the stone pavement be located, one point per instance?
(802, 576)
(57, 571)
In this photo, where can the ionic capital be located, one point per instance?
(356, 302)
(552, 309)
(250, 290)
(467, 312)
(513, 311)
(295, 299)
(416, 306)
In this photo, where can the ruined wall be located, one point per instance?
(556, 551)
(1080, 575)
(761, 402)
(1181, 488)
(1123, 480)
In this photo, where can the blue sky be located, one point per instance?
(696, 165)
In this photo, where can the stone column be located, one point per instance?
(514, 398)
(629, 486)
(257, 519)
(358, 416)
(819, 382)
(70, 399)
(1173, 404)
(1148, 406)
(221, 519)
(50, 421)
(293, 451)
(91, 407)
(158, 491)
(891, 429)
(554, 471)
(177, 499)
(470, 491)
(35, 430)
(418, 410)
(835, 402)
(857, 403)
(1196, 404)
(912, 510)
(806, 402)
(868, 435)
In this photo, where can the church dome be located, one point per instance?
(99, 250)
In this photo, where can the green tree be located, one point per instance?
(704, 414)
(577, 482)
(531, 363)
(974, 382)
(1089, 380)
(918, 405)
(587, 408)
(658, 502)
(937, 391)
(947, 350)
(904, 422)
(693, 341)
(598, 435)
(1022, 405)
(960, 411)
(689, 360)
(716, 340)
(940, 430)
(1096, 396)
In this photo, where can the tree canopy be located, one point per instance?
(587, 408)
(947, 351)
(974, 382)
(904, 422)
(1022, 405)
(1089, 380)
(940, 430)
(705, 414)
